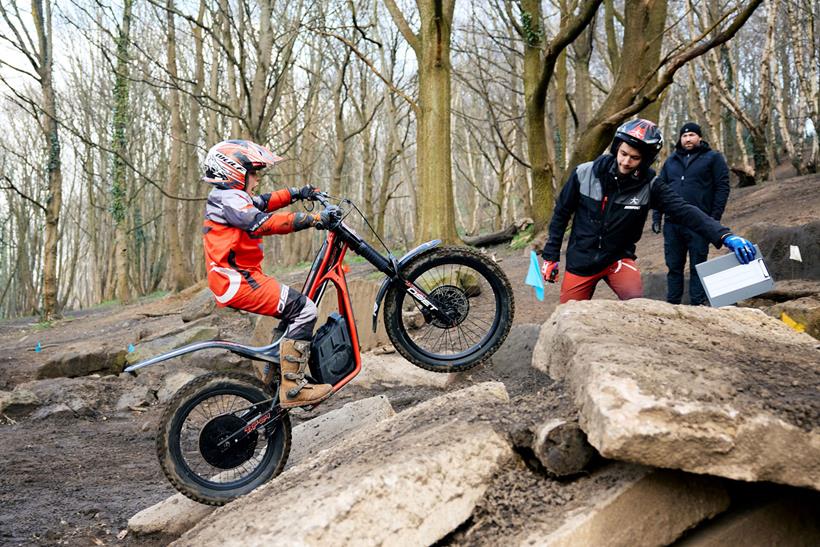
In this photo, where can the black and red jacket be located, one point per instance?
(609, 211)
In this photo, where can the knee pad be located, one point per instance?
(300, 313)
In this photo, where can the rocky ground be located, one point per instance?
(80, 461)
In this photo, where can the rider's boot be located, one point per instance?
(294, 389)
(265, 371)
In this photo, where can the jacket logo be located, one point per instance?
(634, 204)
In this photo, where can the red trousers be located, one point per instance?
(255, 293)
(623, 277)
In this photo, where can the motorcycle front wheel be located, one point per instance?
(201, 416)
(471, 290)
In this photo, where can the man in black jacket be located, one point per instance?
(701, 177)
(609, 200)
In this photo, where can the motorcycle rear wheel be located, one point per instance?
(471, 289)
(204, 412)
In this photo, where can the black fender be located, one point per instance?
(408, 256)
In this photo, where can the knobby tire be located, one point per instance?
(178, 409)
(440, 256)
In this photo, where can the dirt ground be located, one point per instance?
(76, 480)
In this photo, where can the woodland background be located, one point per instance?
(439, 118)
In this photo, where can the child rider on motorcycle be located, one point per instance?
(235, 221)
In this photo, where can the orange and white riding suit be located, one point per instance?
(235, 223)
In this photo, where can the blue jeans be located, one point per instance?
(677, 242)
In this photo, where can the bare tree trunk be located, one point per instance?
(339, 99)
(612, 44)
(180, 273)
(42, 21)
(583, 82)
(119, 193)
(561, 115)
(537, 75)
(435, 211)
(807, 75)
(195, 260)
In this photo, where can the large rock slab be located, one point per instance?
(614, 504)
(201, 305)
(18, 402)
(83, 359)
(729, 391)
(84, 396)
(393, 370)
(629, 506)
(178, 514)
(786, 520)
(410, 480)
(326, 430)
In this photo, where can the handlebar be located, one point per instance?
(321, 197)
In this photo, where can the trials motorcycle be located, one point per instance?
(446, 309)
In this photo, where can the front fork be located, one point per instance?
(418, 294)
(429, 309)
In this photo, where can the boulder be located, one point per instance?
(84, 396)
(392, 370)
(83, 359)
(137, 396)
(18, 402)
(775, 243)
(216, 360)
(410, 480)
(623, 505)
(729, 392)
(177, 514)
(201, 305)
(562, 448)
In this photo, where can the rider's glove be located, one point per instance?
(305, 192)
(743, 248)
(328, 218)
(549, 270)
(656, 226)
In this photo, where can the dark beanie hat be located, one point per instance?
(691, 127)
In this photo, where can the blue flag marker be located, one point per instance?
(38, 348)
(534, 277)
(130, 348)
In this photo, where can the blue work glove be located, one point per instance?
(743, 248)
(656, 226)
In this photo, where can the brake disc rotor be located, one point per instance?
(453, 302)
(219, 429)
